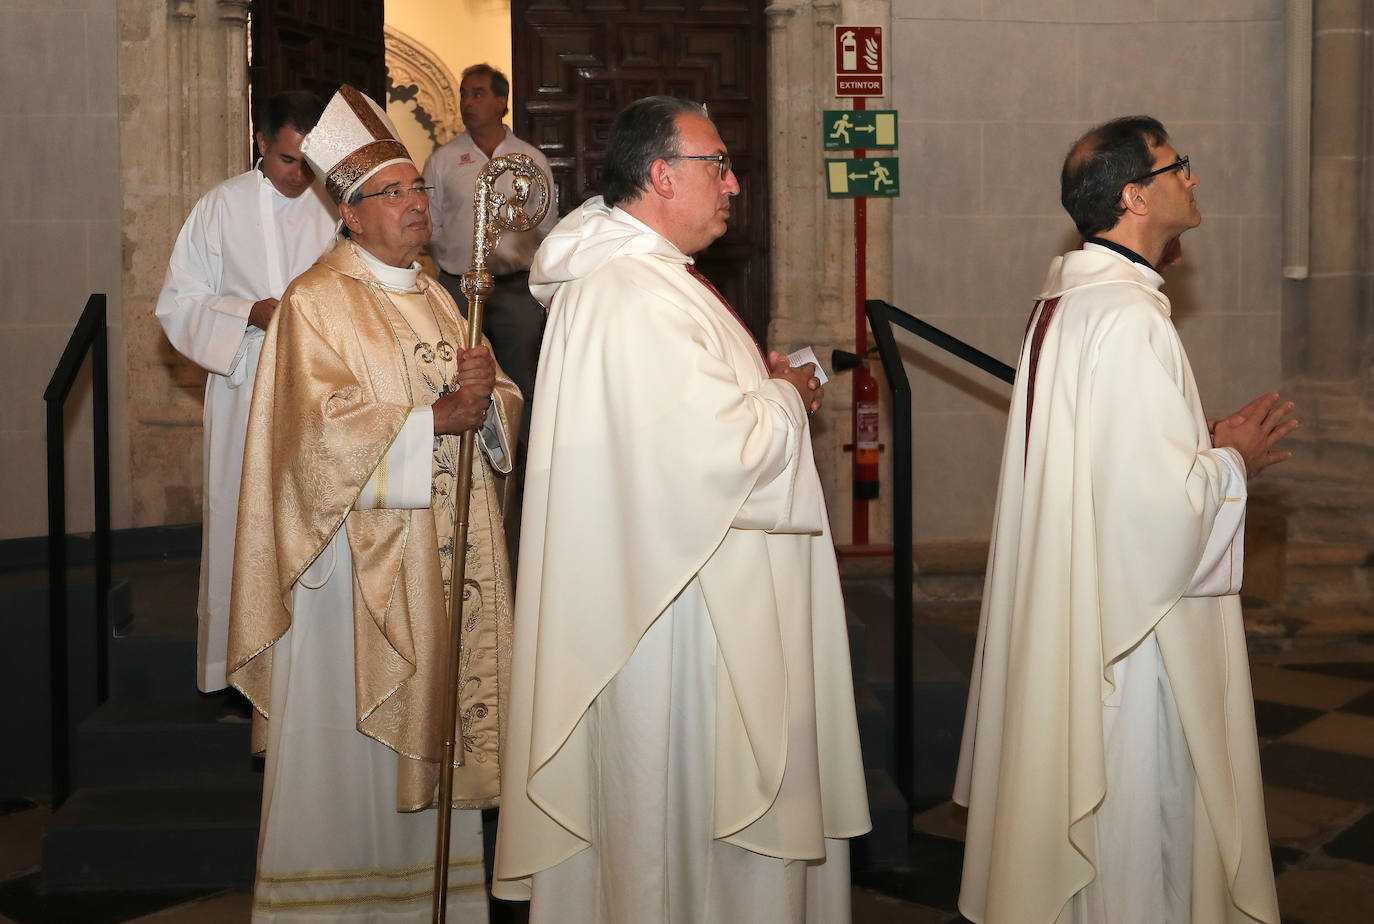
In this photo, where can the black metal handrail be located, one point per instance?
(881, 317)
(89, 336)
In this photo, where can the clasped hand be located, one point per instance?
(261, 312)
(1254, 429)
(803, 378)
(466, 408)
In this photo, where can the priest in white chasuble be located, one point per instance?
(683, 745)
(345, 558)
(242, 244)
(1109, 760)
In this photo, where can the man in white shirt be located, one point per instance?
(514, 320)
(1110, 761)
(243, 243)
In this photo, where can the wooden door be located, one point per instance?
(317, 45)
(577, 63)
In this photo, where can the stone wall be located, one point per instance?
(965, 246)
(990, 97)
(813, 236)
(184, 127)
(59, 242)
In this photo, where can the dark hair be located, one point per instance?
(298, 108)
(500, 86)
(643, 132)
(1101, 164)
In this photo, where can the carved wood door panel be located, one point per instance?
(317, 45)
(577, 63)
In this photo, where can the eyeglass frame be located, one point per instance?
(394, 193)
(722, 160)
(1180, 164)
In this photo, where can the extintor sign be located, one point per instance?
(867, 443)
(860, 61)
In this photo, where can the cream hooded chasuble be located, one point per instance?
(1109, 503)
(659, 456)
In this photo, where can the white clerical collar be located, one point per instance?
(406, 279)
(1149, 272)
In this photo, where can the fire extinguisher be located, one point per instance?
(866, 445)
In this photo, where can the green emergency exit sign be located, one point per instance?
(848, 129)
(862, 176)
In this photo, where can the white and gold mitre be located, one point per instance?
(353, 140)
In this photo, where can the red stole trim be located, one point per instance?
(1042, 323)
(696, 274)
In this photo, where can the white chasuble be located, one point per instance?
(1109, 752)
(683, 736)
(244, 241)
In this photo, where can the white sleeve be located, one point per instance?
(493, 439)
(404, 478)
(1223, 560)
(207, 328)
(781, 501)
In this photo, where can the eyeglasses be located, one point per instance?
(397, 193)
(722, 161)
(1180, 164)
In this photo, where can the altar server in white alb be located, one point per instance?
(1109, 761)
(682, 745)
(243, 243)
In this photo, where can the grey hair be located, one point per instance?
(643, 132)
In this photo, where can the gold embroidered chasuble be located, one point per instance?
(341, 370)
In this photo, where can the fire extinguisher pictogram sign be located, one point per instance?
(860, 68)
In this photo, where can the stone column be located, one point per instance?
(233, 27)
(183, 128)
(813, 237)
(1332, 331)
(1328, 332)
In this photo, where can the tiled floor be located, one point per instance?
(1315, 712)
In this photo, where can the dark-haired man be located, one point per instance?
(514, 321)
(244, 241)
(1109, 759)
(682, 743)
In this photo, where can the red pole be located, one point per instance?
(859, 531)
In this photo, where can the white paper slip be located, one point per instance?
(804, 356)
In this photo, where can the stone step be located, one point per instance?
(128, 838)
(24, 674)
(941, 692)
(885, 847)
(1326, 574)
(152, 665)
(875, 728)
(1328, 626)
(858, 646)
(163, 740)
(950, 572)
